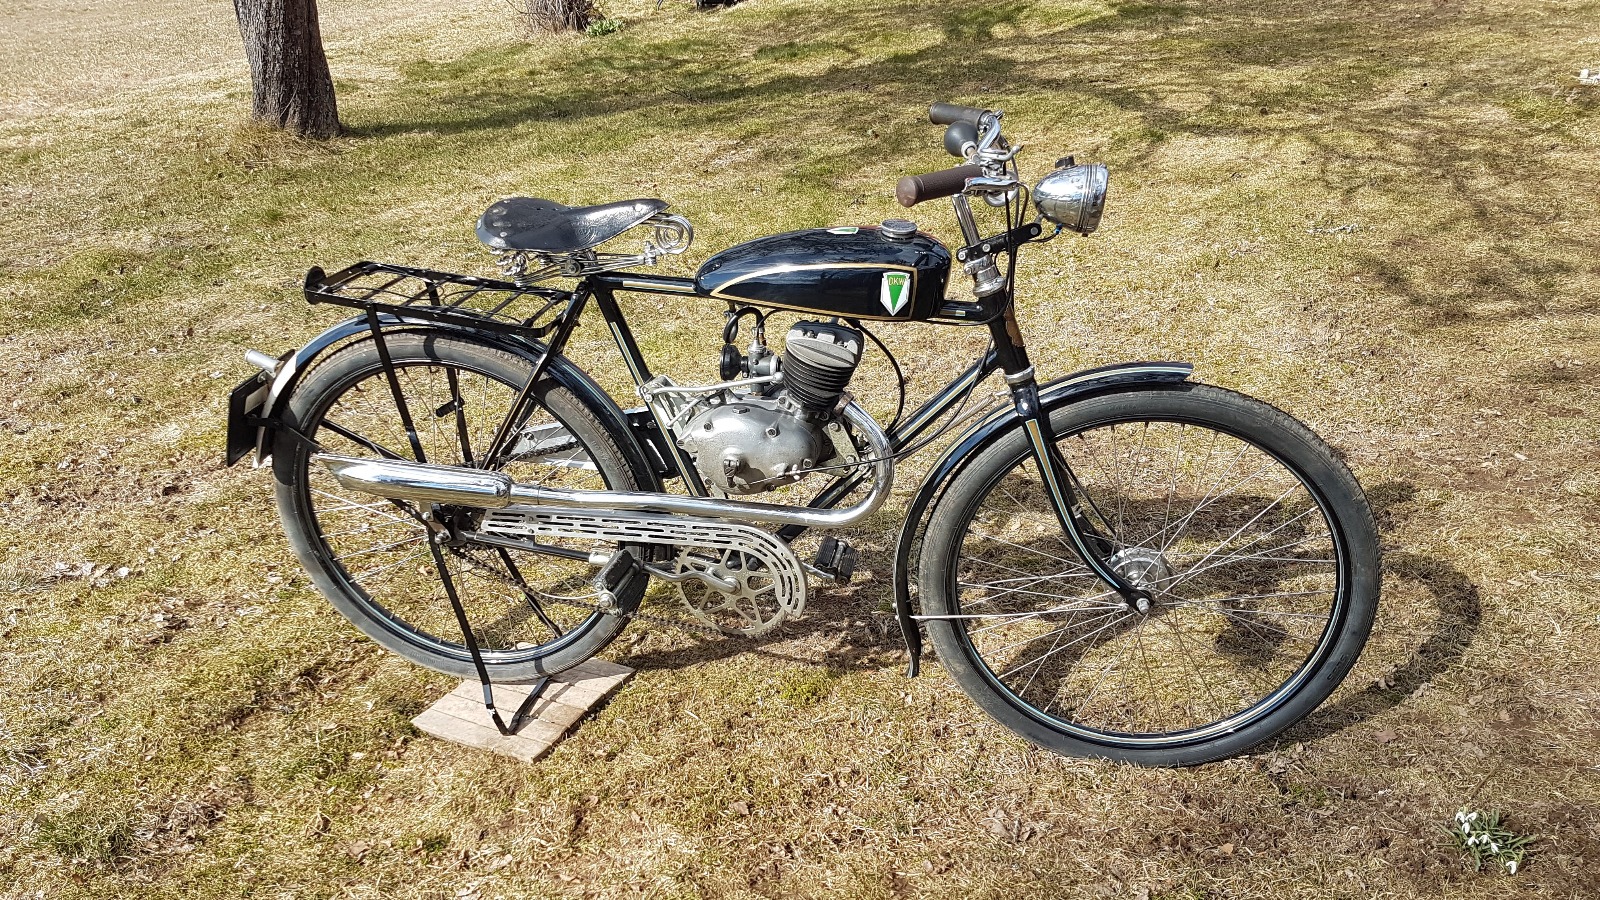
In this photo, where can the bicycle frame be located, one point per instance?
(501, 479)
(1007, 355)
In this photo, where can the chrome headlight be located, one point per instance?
(1073, 196)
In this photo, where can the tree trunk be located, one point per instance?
(288, 71)
(559, 15)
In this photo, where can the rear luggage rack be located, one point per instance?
(425, 295)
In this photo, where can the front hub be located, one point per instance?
(1144, 569)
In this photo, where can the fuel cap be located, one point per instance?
(898, 229)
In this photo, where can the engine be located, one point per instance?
(771, 436)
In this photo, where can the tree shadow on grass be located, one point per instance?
(703, 80)
(1457, 615)
(1360, 98)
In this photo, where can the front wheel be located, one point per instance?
(1256, 544)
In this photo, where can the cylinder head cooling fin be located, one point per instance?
(818, 360)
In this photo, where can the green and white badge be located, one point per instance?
(896, 291)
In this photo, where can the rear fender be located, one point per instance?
(1052, 396)
(569, 376)
(293, 365)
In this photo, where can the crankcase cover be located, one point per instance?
(750, 446)
(855, 272)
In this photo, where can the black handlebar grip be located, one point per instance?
(945, 113)
(914, 189)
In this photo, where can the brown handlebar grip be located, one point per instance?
(914, 189)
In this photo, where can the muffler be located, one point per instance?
(420, 482)
(428, 483)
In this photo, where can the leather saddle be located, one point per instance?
(545, 226)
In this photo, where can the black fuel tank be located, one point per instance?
(858, 273)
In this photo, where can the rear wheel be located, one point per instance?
(531, 612)
(1255, 542)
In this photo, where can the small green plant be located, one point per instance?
(808, 689)
(93, 835)
(601, 27)
(1486, 841)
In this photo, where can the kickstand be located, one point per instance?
(522, 710)
(477, 655)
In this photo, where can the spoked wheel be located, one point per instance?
(1256, 545)
(531, 611)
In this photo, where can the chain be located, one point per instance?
(629, 616)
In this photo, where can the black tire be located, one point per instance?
(1256, 542)
(393, 592)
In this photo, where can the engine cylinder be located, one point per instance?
(819, 359)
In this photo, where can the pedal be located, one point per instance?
(616, 574)
(836, 559)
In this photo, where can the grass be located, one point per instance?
(1380, 219)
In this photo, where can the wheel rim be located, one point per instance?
(377, 548)
(1244, 563)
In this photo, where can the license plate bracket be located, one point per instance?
(244, 415)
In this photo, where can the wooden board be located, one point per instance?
(459, 716)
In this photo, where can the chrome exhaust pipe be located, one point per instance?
(428, 483)
(420, 482)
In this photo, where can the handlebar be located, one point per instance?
(972, 134)
(946, 113)
(914, 189)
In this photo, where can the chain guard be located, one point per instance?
(726, 550)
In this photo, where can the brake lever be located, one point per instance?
(1005, 157)
(987, 184)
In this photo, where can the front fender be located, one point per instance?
(1052, 395)
(569, 376)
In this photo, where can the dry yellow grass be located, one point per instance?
(1382, 219)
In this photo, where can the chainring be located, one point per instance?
(756, 604)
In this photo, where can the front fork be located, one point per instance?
(1092, 547)
(1012, 355)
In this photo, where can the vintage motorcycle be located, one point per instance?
(1120, 563)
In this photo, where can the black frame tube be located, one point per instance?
(1008, 354)
(563, 328)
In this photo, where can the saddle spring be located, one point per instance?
(672, 234)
